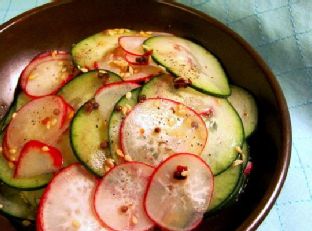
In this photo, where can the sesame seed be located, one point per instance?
(237, 162)
(14, 115)
(1, 206)
(102, 71)
(128, 158)
(129, 95)
(106, 168)
(142, 131)
(11, 165)
(238, 149)
(32, 76)
(1, 149)
(120, 153)
(60, 63)
(134, 220)
(76, 224)
(171, 121)
(131, 70)
(54, 53)
(109, 162)
(71, 115)
(48, 125)
(53, 122)
(64, 69)
(12, 151)
(26, 222)
(184, 173)
(83, 69)
(45, 148)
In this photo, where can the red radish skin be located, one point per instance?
(123, 220)
(28, 124)
(52, 153)
(122, 132)
(133, 83)
(44, 58)
(77, 185)
(153, 176)
(133, 45)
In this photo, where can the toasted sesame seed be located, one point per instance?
(54, 53)
(109, 162)
(171, 121)
(83, 69)
(129, 95)
(76, 224)
(238, 149)
(64, 69)
(11, 165)
(1, 149)
(53, 122)
(45, 148)
(60, 63)
(120, 153)
(32, 77)
(237, 162)
(71, 115)
(26, 222)
(128, 158)
(131, 70)
(184, 173)
(106, 168)
(1, 206)
(12, 151)
(134, 220)
(48, 125)
(142, 131)
(14, 115)
(102, 71)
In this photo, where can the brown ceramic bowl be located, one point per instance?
(59, 25)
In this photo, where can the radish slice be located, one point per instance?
(118, 199)
(179, 192)
(76, 185)
(132, 44)
(38, 158)
(47, 73)
(158, 128)
(40, 119)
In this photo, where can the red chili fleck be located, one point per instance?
(96, 65)
(45, 120)
(248, 168)
(142, 98)
(56, 111)
(208, 113)
(157, 130)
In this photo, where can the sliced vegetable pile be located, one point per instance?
(131, 131)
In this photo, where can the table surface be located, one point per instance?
(281, 31)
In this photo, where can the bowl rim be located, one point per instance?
(256, 217)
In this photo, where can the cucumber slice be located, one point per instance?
(191, 61)
(116, 120)
(89, 130)
(6, 175)
(20, 204)
(83, 87)
(92, 49)
(245, 105)
(228, 184)
(225, 130)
